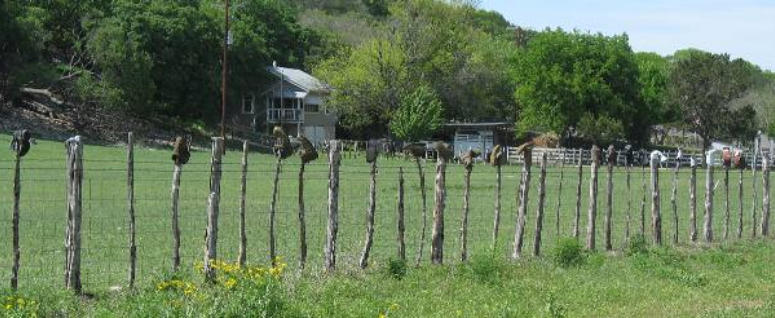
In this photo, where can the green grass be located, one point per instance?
(730, 279)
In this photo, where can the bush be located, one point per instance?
(637, 245)
(397, 268)
(568, 252)
(485, 267)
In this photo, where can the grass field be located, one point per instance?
(621, 286)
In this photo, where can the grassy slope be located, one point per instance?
(619, 286)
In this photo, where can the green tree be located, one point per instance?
(564, 76)
(419, 116)
(703, 84)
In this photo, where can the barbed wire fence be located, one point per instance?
(105, 234)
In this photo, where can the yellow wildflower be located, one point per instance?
(230, 283)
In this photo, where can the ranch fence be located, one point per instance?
(126, 218)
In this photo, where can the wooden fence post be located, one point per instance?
(559, 196)
(673, 195)
(656, 215)
(213, 208)
(628, 215)
(130, 185)
(272, 210)
(74, 204)
(370, 211)
(753, 188)
(424, 210)
(437, 235)
(726, 201)
(708, 226)
(524, 191)
(307, 153)
(400, 210)
(540, 211)
(467, 160)
(243, 246)
(497, 216)
(180, 156)
(609, 196)
(693, 202)
(333, 205)
(577, 216)
(765, 230)
(740, 201)
(15, 222)
(592, 211)
(643, 199)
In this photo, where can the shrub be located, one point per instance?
(396, 268)
(568, 252)
(485, 267)
(637, 245)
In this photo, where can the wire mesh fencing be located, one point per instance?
(105, 227)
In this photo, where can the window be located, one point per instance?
(311, 108)
(248, 104)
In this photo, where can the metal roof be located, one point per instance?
(299, 78)
(479, 124)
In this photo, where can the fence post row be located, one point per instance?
(334, 160)
(74, 204)
(213, 207)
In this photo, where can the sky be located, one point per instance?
(742, 28)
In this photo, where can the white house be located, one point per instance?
(297, 102)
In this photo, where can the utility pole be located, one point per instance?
(224, 71)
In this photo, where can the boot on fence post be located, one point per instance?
(673, 195)
(282, 149)
(213, 208)
(609, 208)
(400, 210)
(74, 205)
(577, 216)
(418, 151)
(693, 201)
(180, 156)
(20, 145)
(467, 159)
(592, 212)
(540, 211)
(656, 213)
(443, 154)
(709, 187)
(740, 165)
(334, 160)
(130, 186)
(307, 153)
(765, 223)
(372, 152)
(243, 242)
(497, 159)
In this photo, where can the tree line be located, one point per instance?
(400, 68)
